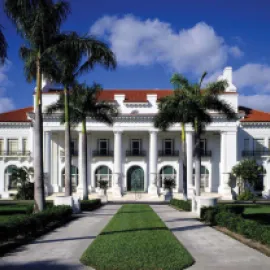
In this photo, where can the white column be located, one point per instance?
(80, 152)
(31, 142)
(152, 189)
(189, 141)
(47, 161)
(117, 175)
(228, 158)
(89, 162)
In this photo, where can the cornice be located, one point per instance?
(15, 124)
(255, 124)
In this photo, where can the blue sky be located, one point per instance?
(154, 39)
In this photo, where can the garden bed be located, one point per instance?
(136, 238)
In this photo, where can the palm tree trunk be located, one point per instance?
(39, 195)
(197, 157)
(184, 160)
(68, 184)
(84, 161)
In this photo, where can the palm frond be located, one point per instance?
(216, 88)
(3, 47)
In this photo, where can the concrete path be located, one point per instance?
(211, 249)
(62, 248)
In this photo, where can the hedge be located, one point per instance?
(181, 204)
(90, 205)
(225, 217)
(30, 225)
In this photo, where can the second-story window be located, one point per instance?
(74, 147)
(168, 146)
(203, 145)
(1, 146)
(135, 146)
(246, 144)
(12, 146)
(258, 145)
(103, 146)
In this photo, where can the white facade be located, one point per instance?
(132, 155)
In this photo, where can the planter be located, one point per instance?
(73, 202)
(167, 194)
(101, 192)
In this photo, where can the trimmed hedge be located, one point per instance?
(30, 225)
(184, 205)
(90, 205)
(208, 213)
(231, 218)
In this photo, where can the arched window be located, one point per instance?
(74, 178)
(8, 183)
(103, 173)
(167, 172)
(204, 177)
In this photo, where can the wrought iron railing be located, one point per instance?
(15, 153)
(135, 153)
(205, 153)
(166, 153)
(102, 153)
(73, 153)
(256, 153)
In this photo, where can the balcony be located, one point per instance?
(74, 153)
(15, 154)
(255, 153)
(205, 153)
(136, 153)
(167, 153)
(102, 153)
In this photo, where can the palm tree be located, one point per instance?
(84, 103)
(204, 100)
(38, 22)
(3, 47)
(177, 108)
(73, 61)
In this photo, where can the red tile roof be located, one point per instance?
(19, 115)
(252, 115)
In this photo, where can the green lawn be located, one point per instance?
(136, 238)
(260, 213)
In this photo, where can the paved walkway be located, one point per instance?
(211, 249)
(61, 249)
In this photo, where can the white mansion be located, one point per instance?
(132, 155)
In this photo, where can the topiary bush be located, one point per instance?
(246, 196)
(90, 205)
(181, 204)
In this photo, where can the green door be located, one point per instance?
(135, 179)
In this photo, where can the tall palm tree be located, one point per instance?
(38, 22)
(204, 100)
(73, 61)
(84, 103)
(3, 47)
(174, 109)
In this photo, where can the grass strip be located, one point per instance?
(136, 238)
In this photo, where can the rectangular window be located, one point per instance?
(12, 146)
(136, 146)
(258, 145)
(168, 146)
(1, 146)
(203, 145)
(246, 144)
(74, 147)
(24, 145)
(103, 146)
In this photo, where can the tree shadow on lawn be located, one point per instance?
(42, 265)
(137, 230)
(262, 218)
(134, 212)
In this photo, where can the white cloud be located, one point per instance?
(138, 42)
(6, 103)
(236, 52)
(259, 102)
(256, 76)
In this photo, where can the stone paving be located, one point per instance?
(62, 248)
(211, 249)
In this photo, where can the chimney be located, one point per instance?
(227, 75)
(46, 83)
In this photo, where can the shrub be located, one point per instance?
(185, 205)
(90, 205)
(26, 192)
(169, 183)
(28, 226)
(246, 195)
(230, 218)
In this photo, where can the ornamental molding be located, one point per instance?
(255, 124)
(15, 124)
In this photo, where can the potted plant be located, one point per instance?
(103, 185)
(169, 184)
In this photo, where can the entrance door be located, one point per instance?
(135, 179)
